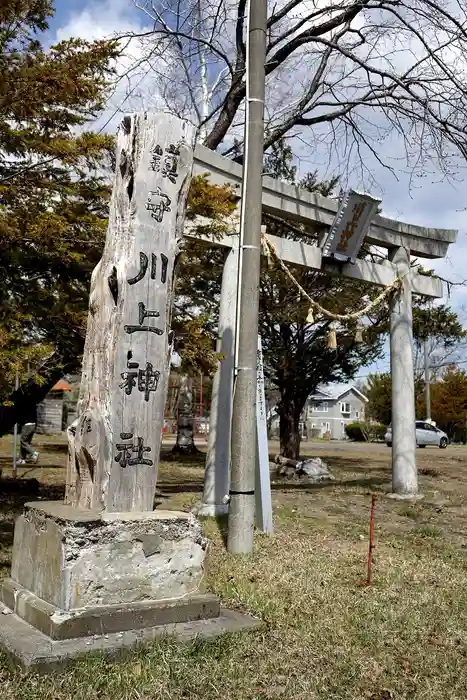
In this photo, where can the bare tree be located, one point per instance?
(440, 357)
(443, 332)
(345, 74)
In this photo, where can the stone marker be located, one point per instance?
(105, 562)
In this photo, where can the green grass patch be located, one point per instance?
(324, 636)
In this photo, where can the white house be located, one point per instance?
(327, 412)
(331, 408)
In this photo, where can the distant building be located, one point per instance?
(50, 413)
(331, 408)
(327, 412)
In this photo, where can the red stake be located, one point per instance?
(371, 545)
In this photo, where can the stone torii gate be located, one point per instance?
(401, 241)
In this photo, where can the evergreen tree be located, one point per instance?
(296, 356)
(53, 196)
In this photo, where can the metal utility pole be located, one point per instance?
(242, 480)
(427, 380)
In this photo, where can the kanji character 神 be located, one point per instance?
(148, 379)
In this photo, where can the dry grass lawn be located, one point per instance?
(323, 637)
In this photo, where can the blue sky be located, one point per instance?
(427, 202)
(64, 9)
(68, 10)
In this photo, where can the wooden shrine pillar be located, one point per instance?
(114, 444)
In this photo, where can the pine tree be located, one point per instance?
(197, 298)
(53, 196)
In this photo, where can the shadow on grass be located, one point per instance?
(61, 447)
(14, 493)
(222, 522)
(194, 459)
(7, 528)
(167, 488)
(370, 482)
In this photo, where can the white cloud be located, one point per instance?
(104, 19)
(98, 20)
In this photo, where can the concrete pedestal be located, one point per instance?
(73, 558)
(78, 574)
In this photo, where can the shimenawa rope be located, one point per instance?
(271, 253)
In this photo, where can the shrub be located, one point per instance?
(378, 431)
(354, 432)
(365, 432)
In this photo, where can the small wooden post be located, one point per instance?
(114, 444)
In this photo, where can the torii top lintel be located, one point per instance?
(293, 203)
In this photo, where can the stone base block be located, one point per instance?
(212, 510)
(74, 559)
(31, 650)
(60, 624)
(84, 581)
(404, 496)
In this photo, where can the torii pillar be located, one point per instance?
(217, 469)
(404, 467)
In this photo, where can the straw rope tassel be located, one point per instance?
(332, 338)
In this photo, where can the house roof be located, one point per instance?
(61, 385)
(333, 392)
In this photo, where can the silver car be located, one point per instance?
(425, 434)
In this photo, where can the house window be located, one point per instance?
(345, 408)
(320, 406)
(357, 414)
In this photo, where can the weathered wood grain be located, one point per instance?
(114, 444)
